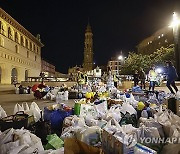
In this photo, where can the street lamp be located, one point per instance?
(120, 57)
(175, 26)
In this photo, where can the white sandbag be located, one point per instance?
(2, 112)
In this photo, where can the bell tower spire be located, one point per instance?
(88, 49)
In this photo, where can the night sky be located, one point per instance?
(117, 25)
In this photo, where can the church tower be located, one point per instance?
(88, 49)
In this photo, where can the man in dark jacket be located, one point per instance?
(142, 78)
(171, 77)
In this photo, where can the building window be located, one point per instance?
(162, 35)
(16, 37)
(27, 54)
(22, 41)
(30, 45)
(26, 43)
(9, 33)
(159, 36)
(35, 58)
(2, 28)
(34, 47)
(17, 48)
(166, 41)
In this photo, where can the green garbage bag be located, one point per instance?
(54, 142)
(77, 107)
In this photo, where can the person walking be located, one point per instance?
(152, 78)
(136, 78)
(142, 78)
(171, 77)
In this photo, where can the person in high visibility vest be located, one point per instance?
(152, 78)
(115, 79)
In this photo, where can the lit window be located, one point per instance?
(162, 35)
(159, 36)
(150, 42)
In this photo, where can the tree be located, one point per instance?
(135, 61)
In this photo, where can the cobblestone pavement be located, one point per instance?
(8, 100)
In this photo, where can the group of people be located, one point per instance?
(170, 73)
(140, 76)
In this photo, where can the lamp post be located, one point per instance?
(120, 58)
(175, 26)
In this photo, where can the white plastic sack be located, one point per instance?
(66, 94)
(110, 128)
(101, 108)
(126, 107)
(113, 113)
(16, 90)
(18, 108)
(2, 112)
(88, 110)
(25, 107)
(90, 136)
(35, 111)
(19, 141)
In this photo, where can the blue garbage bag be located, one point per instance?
(57, 118)
(136, 89)
(47, 114)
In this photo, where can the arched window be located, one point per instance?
(16, 37)
(14, 75)
(34, 47)
(2, 31)
(30, 45)
(26, 43)
(9, 33)
(22, 40)
(26, 75)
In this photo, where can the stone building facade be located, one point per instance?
(47, 68)
(161, 38)
(20, 51)
(88, 49)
